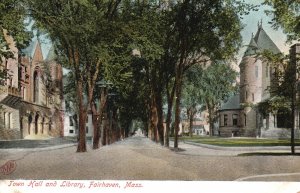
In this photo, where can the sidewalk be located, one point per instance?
(32, 144)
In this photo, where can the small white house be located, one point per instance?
(71, 122)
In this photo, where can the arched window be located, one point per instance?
(36, 126)
(7, 120)
(256, 71)
(35, 87)
(29, 122)
(43, 123)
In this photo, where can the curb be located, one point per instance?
(40, 148)
(240, 148)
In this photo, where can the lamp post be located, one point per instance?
(111, 131)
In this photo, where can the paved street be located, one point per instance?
(138, 158)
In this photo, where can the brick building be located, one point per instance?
(31, 99)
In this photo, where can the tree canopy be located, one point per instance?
(12, 23)
(286, 14)
(96, 39)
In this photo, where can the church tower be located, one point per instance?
(255, 78)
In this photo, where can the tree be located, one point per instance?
(214, 84)
(203, 30)
(146, 30)
(191, 99)
(12, 23)
(74, 27)
(283, 90)
(286, 14)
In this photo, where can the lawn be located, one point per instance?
(234, 142)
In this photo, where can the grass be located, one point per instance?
(238, 142)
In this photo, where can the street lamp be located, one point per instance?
(110, 108)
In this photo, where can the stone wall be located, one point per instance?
(9, 123)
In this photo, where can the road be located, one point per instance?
(138, 158)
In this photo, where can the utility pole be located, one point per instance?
(294, 59)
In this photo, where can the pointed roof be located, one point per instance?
(29, 51)
(51, 54)
(252, 48)
(260, 42)
(233, 103)
(264, 42)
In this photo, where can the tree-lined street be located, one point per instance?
(138, 158)
(135, 67)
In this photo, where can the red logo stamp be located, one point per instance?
(9, 167)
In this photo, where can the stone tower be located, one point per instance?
(255, 78)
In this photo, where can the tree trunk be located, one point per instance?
(82, 118)
(160, 121)
(153, 120)
(170, 97)
(98, 122)
(126, 131)
(168, 125)
(104, 129)
(293, 119)
(178, 88)
(211, 119)
(191, 118)
(95, 120)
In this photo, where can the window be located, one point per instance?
(234, 119)
(87, 129)
(246, 94)
(267, 70)
(71, 131)
(256, 71)
(35, 87)
(10, 120)
(225, 120)
(7, 120)
(71, 121)
(24, 93)
(245, 119)
(253, 97)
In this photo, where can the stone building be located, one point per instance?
(31, 98)
(238, 116)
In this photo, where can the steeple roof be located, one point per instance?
(264, 42)
(261, 41)
(252, 48)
